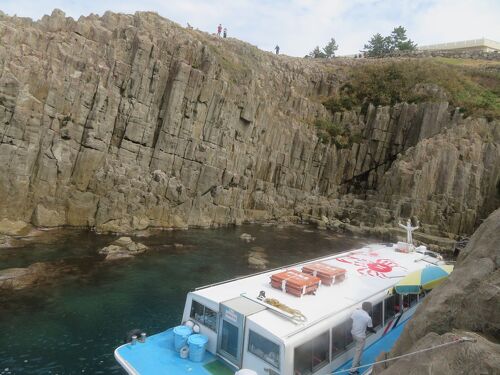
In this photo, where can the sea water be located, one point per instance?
(73, 324)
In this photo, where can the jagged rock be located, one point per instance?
(43, 217)
(14, 278)
(123, 247)
(20, 278)
(257, 258)
(468, 301)
(247, 237)
(480, 357)
(4, 241)
(123, 242)
(14, 228)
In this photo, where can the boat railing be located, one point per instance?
(273, 270)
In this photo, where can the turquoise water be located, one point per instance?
(72, 325)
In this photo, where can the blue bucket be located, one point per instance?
(181, 334)
(197, 345)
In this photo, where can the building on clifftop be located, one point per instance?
(474, 45)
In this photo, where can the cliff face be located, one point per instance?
(124, 122)
(467, 304)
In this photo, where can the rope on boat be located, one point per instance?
(458, 340)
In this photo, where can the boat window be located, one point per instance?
(264, 348)
(312, 355)
(391, 307)
(203, 315)
(341, 337)
(377, 314)
(229, 338)
(410, 300)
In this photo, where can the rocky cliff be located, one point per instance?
(467, 304)
(124, 122)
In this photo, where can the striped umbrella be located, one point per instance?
(426, 278)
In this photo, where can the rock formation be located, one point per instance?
(122, 248)
(467, 304)
(124, 122)
(479, 357)
(257, 258)
(36, 273)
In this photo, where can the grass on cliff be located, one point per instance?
(329, 131)
(474, 87)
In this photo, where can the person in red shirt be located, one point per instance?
(219, 29)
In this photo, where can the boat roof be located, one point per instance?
(370, 270)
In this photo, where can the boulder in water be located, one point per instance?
(20, 278)
(123, 247)
(14, 228)
(257, 258)
(247, 237)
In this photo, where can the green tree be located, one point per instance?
(378, 46)
(327, 51)
(330, 48)
(317, 53)
(400, 41)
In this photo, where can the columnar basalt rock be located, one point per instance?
(124, 122)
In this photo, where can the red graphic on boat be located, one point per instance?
(376, 268)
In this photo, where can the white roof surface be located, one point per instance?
(370, 270)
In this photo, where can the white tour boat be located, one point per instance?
(288, 327)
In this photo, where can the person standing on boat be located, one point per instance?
(361, 322)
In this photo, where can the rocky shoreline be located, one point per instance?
(389, 233)
(124, 247)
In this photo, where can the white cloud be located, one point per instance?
(299, 25)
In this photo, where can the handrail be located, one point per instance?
(272, 270)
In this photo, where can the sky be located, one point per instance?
(297, 26)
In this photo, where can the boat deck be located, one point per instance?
(370, 354)
(370, 270)
(158, 356)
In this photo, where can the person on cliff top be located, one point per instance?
(361, 322)
(224, 33)
(277, 49)
(219, 30)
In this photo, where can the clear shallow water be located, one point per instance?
(73, 325)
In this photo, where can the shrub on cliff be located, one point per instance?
(473, 89)
(331, 132)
